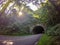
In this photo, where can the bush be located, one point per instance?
(54, 31)
(52, 37)
(45, 40)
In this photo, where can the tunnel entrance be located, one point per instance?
(38, 30)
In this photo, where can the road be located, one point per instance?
(20, 40)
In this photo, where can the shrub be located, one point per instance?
(54, 31)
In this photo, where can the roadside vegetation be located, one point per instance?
(17, 19)
(52, 34)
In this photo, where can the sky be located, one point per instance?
(35, 7)
(32, 6)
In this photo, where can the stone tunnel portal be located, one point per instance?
(38, 30)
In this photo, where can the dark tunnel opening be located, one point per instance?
(38, 30)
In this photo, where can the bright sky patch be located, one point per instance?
(32, 6)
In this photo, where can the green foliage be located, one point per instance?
(52, 37)
(49, 40)
(45, 40)
(54, 31)
(55, 40)
(48, 15)
(43, 14)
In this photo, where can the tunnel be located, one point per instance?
(38, 30)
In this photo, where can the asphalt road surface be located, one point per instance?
(20, 40)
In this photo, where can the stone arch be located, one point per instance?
(38, 30)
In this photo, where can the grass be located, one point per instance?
(16, 34)
(51, 37)
(45, 40)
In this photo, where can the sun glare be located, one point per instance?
(20, 13)
(7, 42)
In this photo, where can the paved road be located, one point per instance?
(19, 40)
